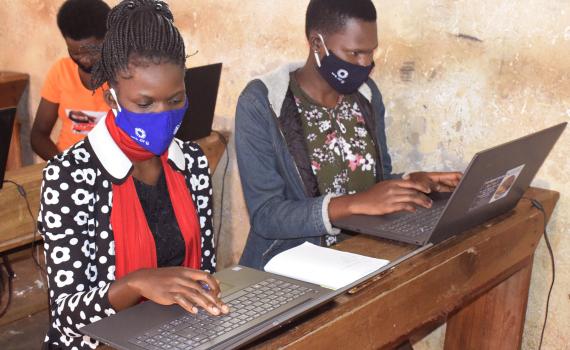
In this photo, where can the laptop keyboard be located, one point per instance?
(192, 331)
(416, 224)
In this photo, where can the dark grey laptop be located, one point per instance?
(493, 183)
(256, 299)
(7, 117)
(259, 302)
(202, 89)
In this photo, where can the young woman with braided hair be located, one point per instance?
(126, 214)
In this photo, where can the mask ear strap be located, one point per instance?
(317, 58)
(114, 94)
(325, 45)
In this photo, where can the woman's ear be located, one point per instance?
(109, 99)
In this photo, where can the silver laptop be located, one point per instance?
(492, 185)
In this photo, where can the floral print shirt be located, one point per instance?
(341, 151)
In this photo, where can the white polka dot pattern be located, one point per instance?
(74, 220)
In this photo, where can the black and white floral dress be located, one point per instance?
(74, 221)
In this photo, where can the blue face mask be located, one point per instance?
(344, 77)
(153, 131)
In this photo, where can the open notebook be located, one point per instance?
(326, 267)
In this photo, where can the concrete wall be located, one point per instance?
(457, 77)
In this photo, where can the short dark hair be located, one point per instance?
(330, 16)
(82, 19)
(143, 29)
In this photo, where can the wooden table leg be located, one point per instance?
(496, 319)
(15, 154)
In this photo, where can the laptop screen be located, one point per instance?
(6, 124)
(202, 90)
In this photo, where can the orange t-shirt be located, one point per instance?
(79, 108)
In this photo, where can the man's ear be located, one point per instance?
(315, 41)
(109, 99)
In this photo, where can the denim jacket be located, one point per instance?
(280, 190)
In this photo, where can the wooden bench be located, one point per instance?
(25, 323)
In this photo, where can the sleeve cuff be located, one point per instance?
(326, 220)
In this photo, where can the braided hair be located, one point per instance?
(138, 32)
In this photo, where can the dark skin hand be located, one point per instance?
(356, 43)
(151, 88)
(383, 198)
(437, 181)
(167, 286)
(46, 115)
(392, 196)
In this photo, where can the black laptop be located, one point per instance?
(493, 183)
(7, 117)
(202, 89)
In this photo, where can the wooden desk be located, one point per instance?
(12, 86)
(478, 282)
(17, 227)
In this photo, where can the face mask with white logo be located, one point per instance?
(344, 77)
(153, 131)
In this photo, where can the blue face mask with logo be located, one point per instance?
(153, 131)
(344, 77)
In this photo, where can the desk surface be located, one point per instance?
(478, 282)
(17, 226)
(12, 85)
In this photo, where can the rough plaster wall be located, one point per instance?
(457, 77)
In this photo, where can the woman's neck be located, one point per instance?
(147, 171)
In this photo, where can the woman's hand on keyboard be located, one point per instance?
(180, 285)
(383, 198)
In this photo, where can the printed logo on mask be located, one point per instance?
(341, 75)
(140, 133)
(141, 136)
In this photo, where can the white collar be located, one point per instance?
(114, 161)
(277, 83)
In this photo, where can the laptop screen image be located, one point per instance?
(7, 117)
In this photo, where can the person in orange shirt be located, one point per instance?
(67, 93)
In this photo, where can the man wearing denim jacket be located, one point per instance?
(311, 141)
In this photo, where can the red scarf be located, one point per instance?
(134, 243)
